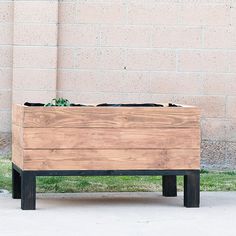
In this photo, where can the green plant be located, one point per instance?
(58, 102)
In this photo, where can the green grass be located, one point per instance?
(210, 181)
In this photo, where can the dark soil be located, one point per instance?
(130, 105)
(30, 104)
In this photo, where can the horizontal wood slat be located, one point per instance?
(73, 138)
(106, 138)
(111, 117)
(111, 159)
(17, 151)
(17, 115)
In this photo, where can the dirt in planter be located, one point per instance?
(173, 105)
(30, 104)
(130, 105)
(136, 105)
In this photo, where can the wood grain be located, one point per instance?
(74, 117)
(17, 115)
(100, 159)
(17, 151)
(92, 138)
(74, 138)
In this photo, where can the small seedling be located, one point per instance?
(58, 102)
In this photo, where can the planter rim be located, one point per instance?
(89, 106)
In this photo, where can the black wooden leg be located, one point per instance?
(16, 184)
(169, 188)
(28, 190)
(192, 189)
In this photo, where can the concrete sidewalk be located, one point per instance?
(119, 214)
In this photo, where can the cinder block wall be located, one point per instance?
(6, 32)
(35, 39)
(93, 51)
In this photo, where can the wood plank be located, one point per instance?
(73, 138)
(111, 117)
(17, 152)
(102, 159)
(17, 156)
(17, 114)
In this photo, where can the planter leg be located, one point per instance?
(28, 190)
(16, 184)
(169, 188)
(192, 189)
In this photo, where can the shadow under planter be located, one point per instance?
(106, 141)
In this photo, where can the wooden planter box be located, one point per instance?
(106, 141)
